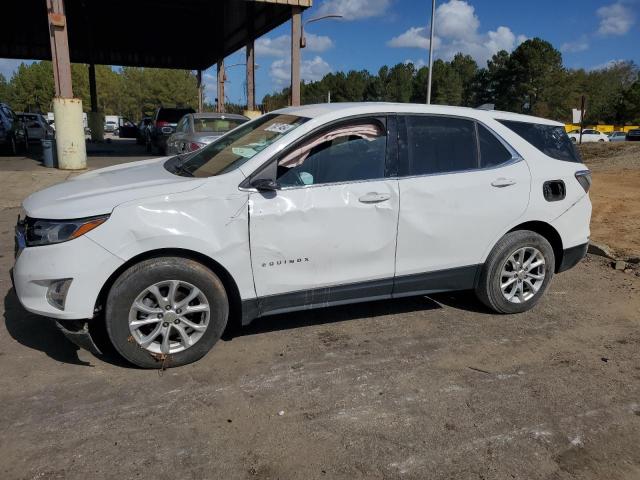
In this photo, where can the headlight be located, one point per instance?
(46, 232)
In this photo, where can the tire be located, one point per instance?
(573, 140)
(500, 260)
(132, 286)
(601, 140)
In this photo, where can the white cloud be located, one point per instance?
(281, 46)
(615, 19)
(579, 45)
(457, 30)
(354, 9)
(415, 37)
(310, 70)
(456, 19)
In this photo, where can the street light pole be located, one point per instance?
(433, 18)
(298, 41)
(303, 40)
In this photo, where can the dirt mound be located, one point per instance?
(611, 156)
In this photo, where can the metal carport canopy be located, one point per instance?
(185, 34)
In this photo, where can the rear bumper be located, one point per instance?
(572, 256)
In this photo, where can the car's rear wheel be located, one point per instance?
(166, 312)
(517, 272)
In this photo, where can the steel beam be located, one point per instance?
(296, 33)
(59, 48)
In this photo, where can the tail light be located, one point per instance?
(161, 123)
(193, 146)
(584, 179)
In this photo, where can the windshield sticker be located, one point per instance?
(279, 128)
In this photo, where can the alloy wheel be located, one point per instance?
(522, 274)
(169, 317)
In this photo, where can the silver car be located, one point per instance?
(195, 130)
(617, 136)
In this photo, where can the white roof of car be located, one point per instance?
(338, 110)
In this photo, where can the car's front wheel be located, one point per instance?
(166, 312)
(517, 272)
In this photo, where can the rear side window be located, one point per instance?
(435, 144)
(492, 151)
(549, 139)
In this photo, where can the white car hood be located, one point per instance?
(100, 191)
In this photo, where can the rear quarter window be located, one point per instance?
(551, 140)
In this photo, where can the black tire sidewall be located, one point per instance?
(489, 290)
(140, 276)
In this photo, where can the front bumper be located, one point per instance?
(81, 259)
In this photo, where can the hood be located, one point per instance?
(100, 191)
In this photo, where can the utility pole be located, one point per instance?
(582, 100)
(433, 18)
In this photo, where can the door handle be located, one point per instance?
(503, 182)
(374, 197)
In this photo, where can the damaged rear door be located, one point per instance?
(328, 233)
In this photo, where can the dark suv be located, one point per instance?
(162, 126)
(633, 135)
(13, 135)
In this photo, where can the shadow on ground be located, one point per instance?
(40, 333)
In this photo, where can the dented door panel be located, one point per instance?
(312, 237)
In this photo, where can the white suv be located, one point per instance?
(302, 208)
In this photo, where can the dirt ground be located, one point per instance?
(615, 195)
(421, 388)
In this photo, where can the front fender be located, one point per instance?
(217, 228)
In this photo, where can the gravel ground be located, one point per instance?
(428, 387)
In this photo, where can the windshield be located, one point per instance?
(201, 125)
(235, 148)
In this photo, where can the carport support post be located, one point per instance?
(200, 92)
(70, 143)
(296, 34)
(220, 102)
(94, 117)
(251, 85)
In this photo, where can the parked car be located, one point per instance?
(197, 130)
(617, 136)
(36, 126)
(13, 134)
(301, 209)
(163, 125)
(588, 135)
(110, 126)
(633, 135)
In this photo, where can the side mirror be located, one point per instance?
(265, 185)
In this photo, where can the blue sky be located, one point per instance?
(373, 33)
